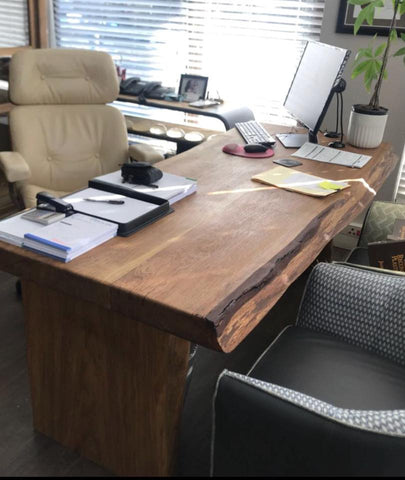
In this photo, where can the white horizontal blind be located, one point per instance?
(249, 50)
(400, 194)
(14, 29)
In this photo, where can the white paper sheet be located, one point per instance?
(319, 153)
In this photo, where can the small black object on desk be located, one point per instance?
(255, 148)
(140, 173)
(46, 201)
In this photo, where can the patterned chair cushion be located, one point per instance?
(380, 221)
(363, 307)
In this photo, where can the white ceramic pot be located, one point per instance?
(366, 130)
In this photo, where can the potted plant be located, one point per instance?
(367, 122)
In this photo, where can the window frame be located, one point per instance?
(38, 35)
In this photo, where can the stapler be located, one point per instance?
(46, 201)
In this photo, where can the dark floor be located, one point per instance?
(23, 452)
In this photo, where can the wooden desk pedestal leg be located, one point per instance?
(104, 384)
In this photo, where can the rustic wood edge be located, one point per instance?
(266, 280)
(220, 324)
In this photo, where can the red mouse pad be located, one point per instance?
(234, 149)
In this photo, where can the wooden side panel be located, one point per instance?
(104, 384)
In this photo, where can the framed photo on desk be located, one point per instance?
(193, 87)
(348, 13)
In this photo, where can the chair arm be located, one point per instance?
(14, 166)
(144, 153)
(362, 306)
(263, 429)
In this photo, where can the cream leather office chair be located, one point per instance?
(62, 132)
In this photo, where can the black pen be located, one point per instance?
(112, 202)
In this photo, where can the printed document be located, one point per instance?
(319, 153)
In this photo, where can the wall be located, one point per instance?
(392, 95)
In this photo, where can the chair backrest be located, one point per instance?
(362, 306)
(61, 125)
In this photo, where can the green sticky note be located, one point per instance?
(330, 185)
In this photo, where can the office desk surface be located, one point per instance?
(210, 271)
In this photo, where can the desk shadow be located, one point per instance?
(196, 425)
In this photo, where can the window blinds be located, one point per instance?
(14, 23)
(400, 194)
(249, 50)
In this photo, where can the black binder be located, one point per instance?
(161, 209)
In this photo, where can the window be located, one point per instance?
(400, 194)
(14, 25)
(249, 50)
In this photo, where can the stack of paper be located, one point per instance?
(170, 187)
(12, 229)
(300, 182)
(70, 237)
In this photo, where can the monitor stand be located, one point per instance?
(296, 140)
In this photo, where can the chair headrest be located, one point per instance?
(62, 76)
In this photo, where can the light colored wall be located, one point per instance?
(392, 94)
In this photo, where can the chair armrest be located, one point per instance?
(14, 166)
(264, 429)
(144, 153)
(362, 306)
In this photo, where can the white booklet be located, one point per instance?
(170, 187)
(319, 153)
(70, 237)
(97, 203)
(12, 229)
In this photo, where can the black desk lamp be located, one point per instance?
(340, 87)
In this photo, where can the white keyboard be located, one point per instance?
(254, 132)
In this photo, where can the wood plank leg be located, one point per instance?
(104, 384)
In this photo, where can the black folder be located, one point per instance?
(156, 208)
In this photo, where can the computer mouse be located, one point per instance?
(254, 148)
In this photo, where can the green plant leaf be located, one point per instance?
(379, 50)
(370, 14)
(370, 74)
(401, 8)
(368, 79)
(361, 67)
(393, 35)
(400, 52)
(363, 52)
(360, 19)
(358, 2)
(403, 36)
(378, 3)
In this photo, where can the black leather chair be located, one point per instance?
(328, 395)
(378, 223)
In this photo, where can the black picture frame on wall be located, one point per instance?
(347, 16)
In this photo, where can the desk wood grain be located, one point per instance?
(103, 380)
(212, 270)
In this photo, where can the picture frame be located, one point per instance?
(193, 87)
(348, 13)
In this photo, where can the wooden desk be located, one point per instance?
(227, 113)
(108, 334)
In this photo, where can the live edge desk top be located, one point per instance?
(210, 271)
